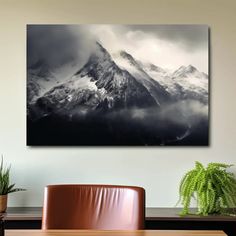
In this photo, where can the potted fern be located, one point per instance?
(213, 187)
(5, 186)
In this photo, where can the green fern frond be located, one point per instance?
(213, 187)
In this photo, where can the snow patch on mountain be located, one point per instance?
(127, 62)
(99, 85)
(184, 83)
(108, 82)
(163, 77)
(188, 72)
(41, 78)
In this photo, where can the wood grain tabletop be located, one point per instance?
(112, 233)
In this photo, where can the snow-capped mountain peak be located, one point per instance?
(101, 52)
(117, 81)
(127, 62)
(126, 56)
(101, 85)
(191, 68)
(98, 61)
(188, 72)
(184, 70)
(154, 68)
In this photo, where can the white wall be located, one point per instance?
(158, 169)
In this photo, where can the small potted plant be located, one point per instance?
(213, 187)
(5, 186)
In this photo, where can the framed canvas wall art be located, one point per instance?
(117, 85)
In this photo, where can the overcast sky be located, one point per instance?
(168, 46)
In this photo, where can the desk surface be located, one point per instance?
(111, 233)
(152, 214)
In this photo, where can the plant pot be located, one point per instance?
(3, 203)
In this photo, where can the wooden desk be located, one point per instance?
(111, 233)
(156, 218)
(169, 218)
(152, 214)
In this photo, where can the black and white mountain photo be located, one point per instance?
(117, 85)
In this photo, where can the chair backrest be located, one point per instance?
(101, 207)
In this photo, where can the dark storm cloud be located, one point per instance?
(57, 44)
(192, 37)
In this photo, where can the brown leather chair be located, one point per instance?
(101, 207)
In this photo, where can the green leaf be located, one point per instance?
(5, 186)
(213, 187)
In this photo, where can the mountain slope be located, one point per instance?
(193, 82)
(164, 78)
(188, 72)
(99, 85)
(127, 62)
(184, 83)
(41, 77)
(115, 101)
